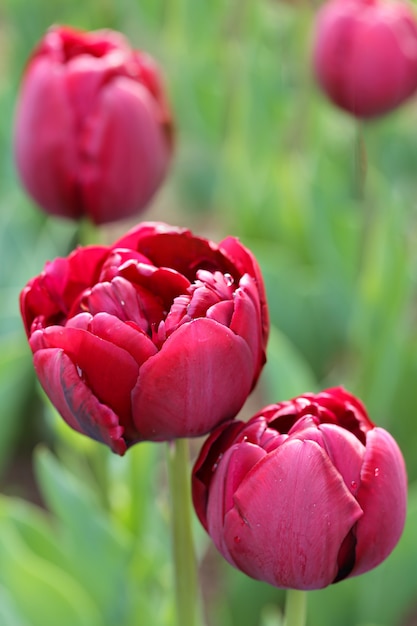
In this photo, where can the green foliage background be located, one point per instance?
(262, 155)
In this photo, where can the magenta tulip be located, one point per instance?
(365, 54)
(93, 130)
(305, 494)
(161, 335)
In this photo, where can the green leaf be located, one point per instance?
(35, 529)
(16, 382)
(98, 549)
(10, 614)
(42, 591)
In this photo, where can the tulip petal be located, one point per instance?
(123, 335)
(109, 371)
(208, 460)
(74, 400)
(247, 324)
(145, 231)
(44, 112)
(346, 453)
(382, 495)
(291, 515)
(180, 250)
(228, 473)
(201, 377)
(246, 263)
(126, 154)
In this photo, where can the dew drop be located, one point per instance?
(353, 484)
(376, 471)
(216, 464)
(79, 371)
(237, 539)
(229, 280)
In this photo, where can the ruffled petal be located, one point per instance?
(125, 336)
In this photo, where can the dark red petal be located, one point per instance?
(130, 339)
(133, 239)
(109, 371)
(74, 400)
(125, 152)
(247, 324)
(207, 462)
(201, 377)
(163, 282)
(47, 165)
(246, 263)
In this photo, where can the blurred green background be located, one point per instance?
(261, 154)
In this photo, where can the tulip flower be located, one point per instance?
(161, 335)
(365, 54)
(93, 130)
(306, 493)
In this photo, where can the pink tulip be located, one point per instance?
(93, 131)
(365, 54)
(305, 494)
(161, 335)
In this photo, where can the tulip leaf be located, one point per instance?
(16, 382)
(35, 528)
(98, 549)
(40, 589)
(10, 614)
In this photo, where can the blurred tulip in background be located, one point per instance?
(93, 129)
(365, 54)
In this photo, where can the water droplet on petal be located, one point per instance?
(376, 471)
(353, 484)
(229, 280)
(79, 371)
(237, 539)
(216, 464)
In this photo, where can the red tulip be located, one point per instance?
(161, 335)
(305, 494)
(93, 131)
(365, 54)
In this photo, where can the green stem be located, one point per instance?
(88, 233)
(359, 163)
(295, 608)
(99, 457)
(185, 565)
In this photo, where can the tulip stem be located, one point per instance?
(295, 608)
(185, 564)
(360, 162)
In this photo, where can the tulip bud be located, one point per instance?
(161, 335)
(365, 54)
(93, 131)
(306, 493)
